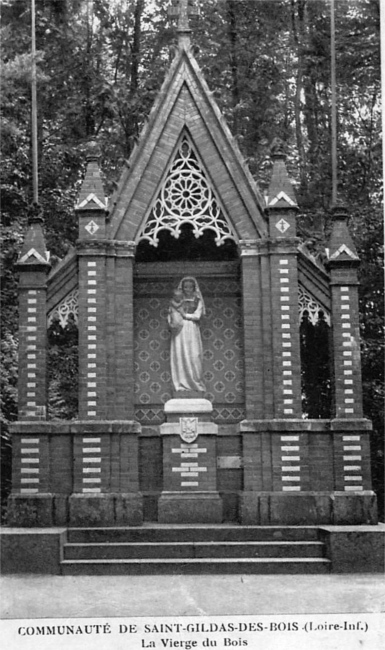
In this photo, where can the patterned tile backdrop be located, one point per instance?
(221, 331)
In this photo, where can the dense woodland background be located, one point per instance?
(267, 62)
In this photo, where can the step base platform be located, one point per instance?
(193, 549)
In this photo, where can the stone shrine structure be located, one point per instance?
(241, 450)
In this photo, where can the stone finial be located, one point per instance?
(183, 9)
(91, 195)
(341, 246)
(339, 211)
(35, 213)
(93, 151)
(281, 192)
(34, 251)
(277, 149)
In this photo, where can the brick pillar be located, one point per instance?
(91, 211)
(353, 500)
(42, 473)
(92, 332)
(105, 474)
(351, 457)
(30, 460)
(32, 381)
(346, 342)
(30, 501)
(285, 328)
(281, 212)
(257, 355)
(120, 322)
(343, 263)
(30, 451)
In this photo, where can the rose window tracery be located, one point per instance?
(186, 197)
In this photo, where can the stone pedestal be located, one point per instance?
(189, 464)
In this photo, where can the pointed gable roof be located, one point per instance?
(185, 104)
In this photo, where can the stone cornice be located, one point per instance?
(106, 247)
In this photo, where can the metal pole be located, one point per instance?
(334, 104)
(35, 178)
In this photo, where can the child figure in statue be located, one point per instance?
(186, 343)
(176, 312)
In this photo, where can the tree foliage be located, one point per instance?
(100, 65)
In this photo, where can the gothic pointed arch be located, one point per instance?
(186, 197)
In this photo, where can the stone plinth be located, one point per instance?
(32, 550)
(355, 549)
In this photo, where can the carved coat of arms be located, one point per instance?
(188, 429)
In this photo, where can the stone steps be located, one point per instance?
(196, 533)
(193, 549)
(196, 565)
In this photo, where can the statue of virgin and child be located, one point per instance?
(185, 311)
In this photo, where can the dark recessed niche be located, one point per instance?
(187, 247)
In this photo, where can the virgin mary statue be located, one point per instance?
(185, 311)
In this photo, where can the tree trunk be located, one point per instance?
(135, 50)
(233, 36)
(89, 120)
(298, 25)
